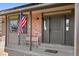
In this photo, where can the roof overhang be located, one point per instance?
(28, 8)
(25, 8)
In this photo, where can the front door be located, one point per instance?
(57, 29)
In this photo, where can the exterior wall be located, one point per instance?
(3, 33)
(37, 24)
(3, 27)
(3, 36)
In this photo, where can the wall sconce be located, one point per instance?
(37, 18)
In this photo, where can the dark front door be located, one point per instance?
(57, 29)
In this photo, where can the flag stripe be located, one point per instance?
(22, 23)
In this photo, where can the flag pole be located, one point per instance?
(19, 33)
(19, 39)
(30, 31)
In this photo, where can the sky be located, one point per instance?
(4, 6)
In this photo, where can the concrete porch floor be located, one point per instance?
(23, 50)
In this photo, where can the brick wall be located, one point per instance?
(37, 24)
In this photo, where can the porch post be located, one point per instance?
(19, 40)
(76, 32)
(6, 31)
(30, 30)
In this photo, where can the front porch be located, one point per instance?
(23, 50)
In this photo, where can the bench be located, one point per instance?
(35, 41)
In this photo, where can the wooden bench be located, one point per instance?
(35, 41)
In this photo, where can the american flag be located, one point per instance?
(22, 23)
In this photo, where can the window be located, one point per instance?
(13, 25)
(14, 21)
(67, 24)
(45, 25)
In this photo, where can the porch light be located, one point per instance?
(37, 18)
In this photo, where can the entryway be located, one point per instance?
(58, 29)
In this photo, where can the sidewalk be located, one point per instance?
(40, 51)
